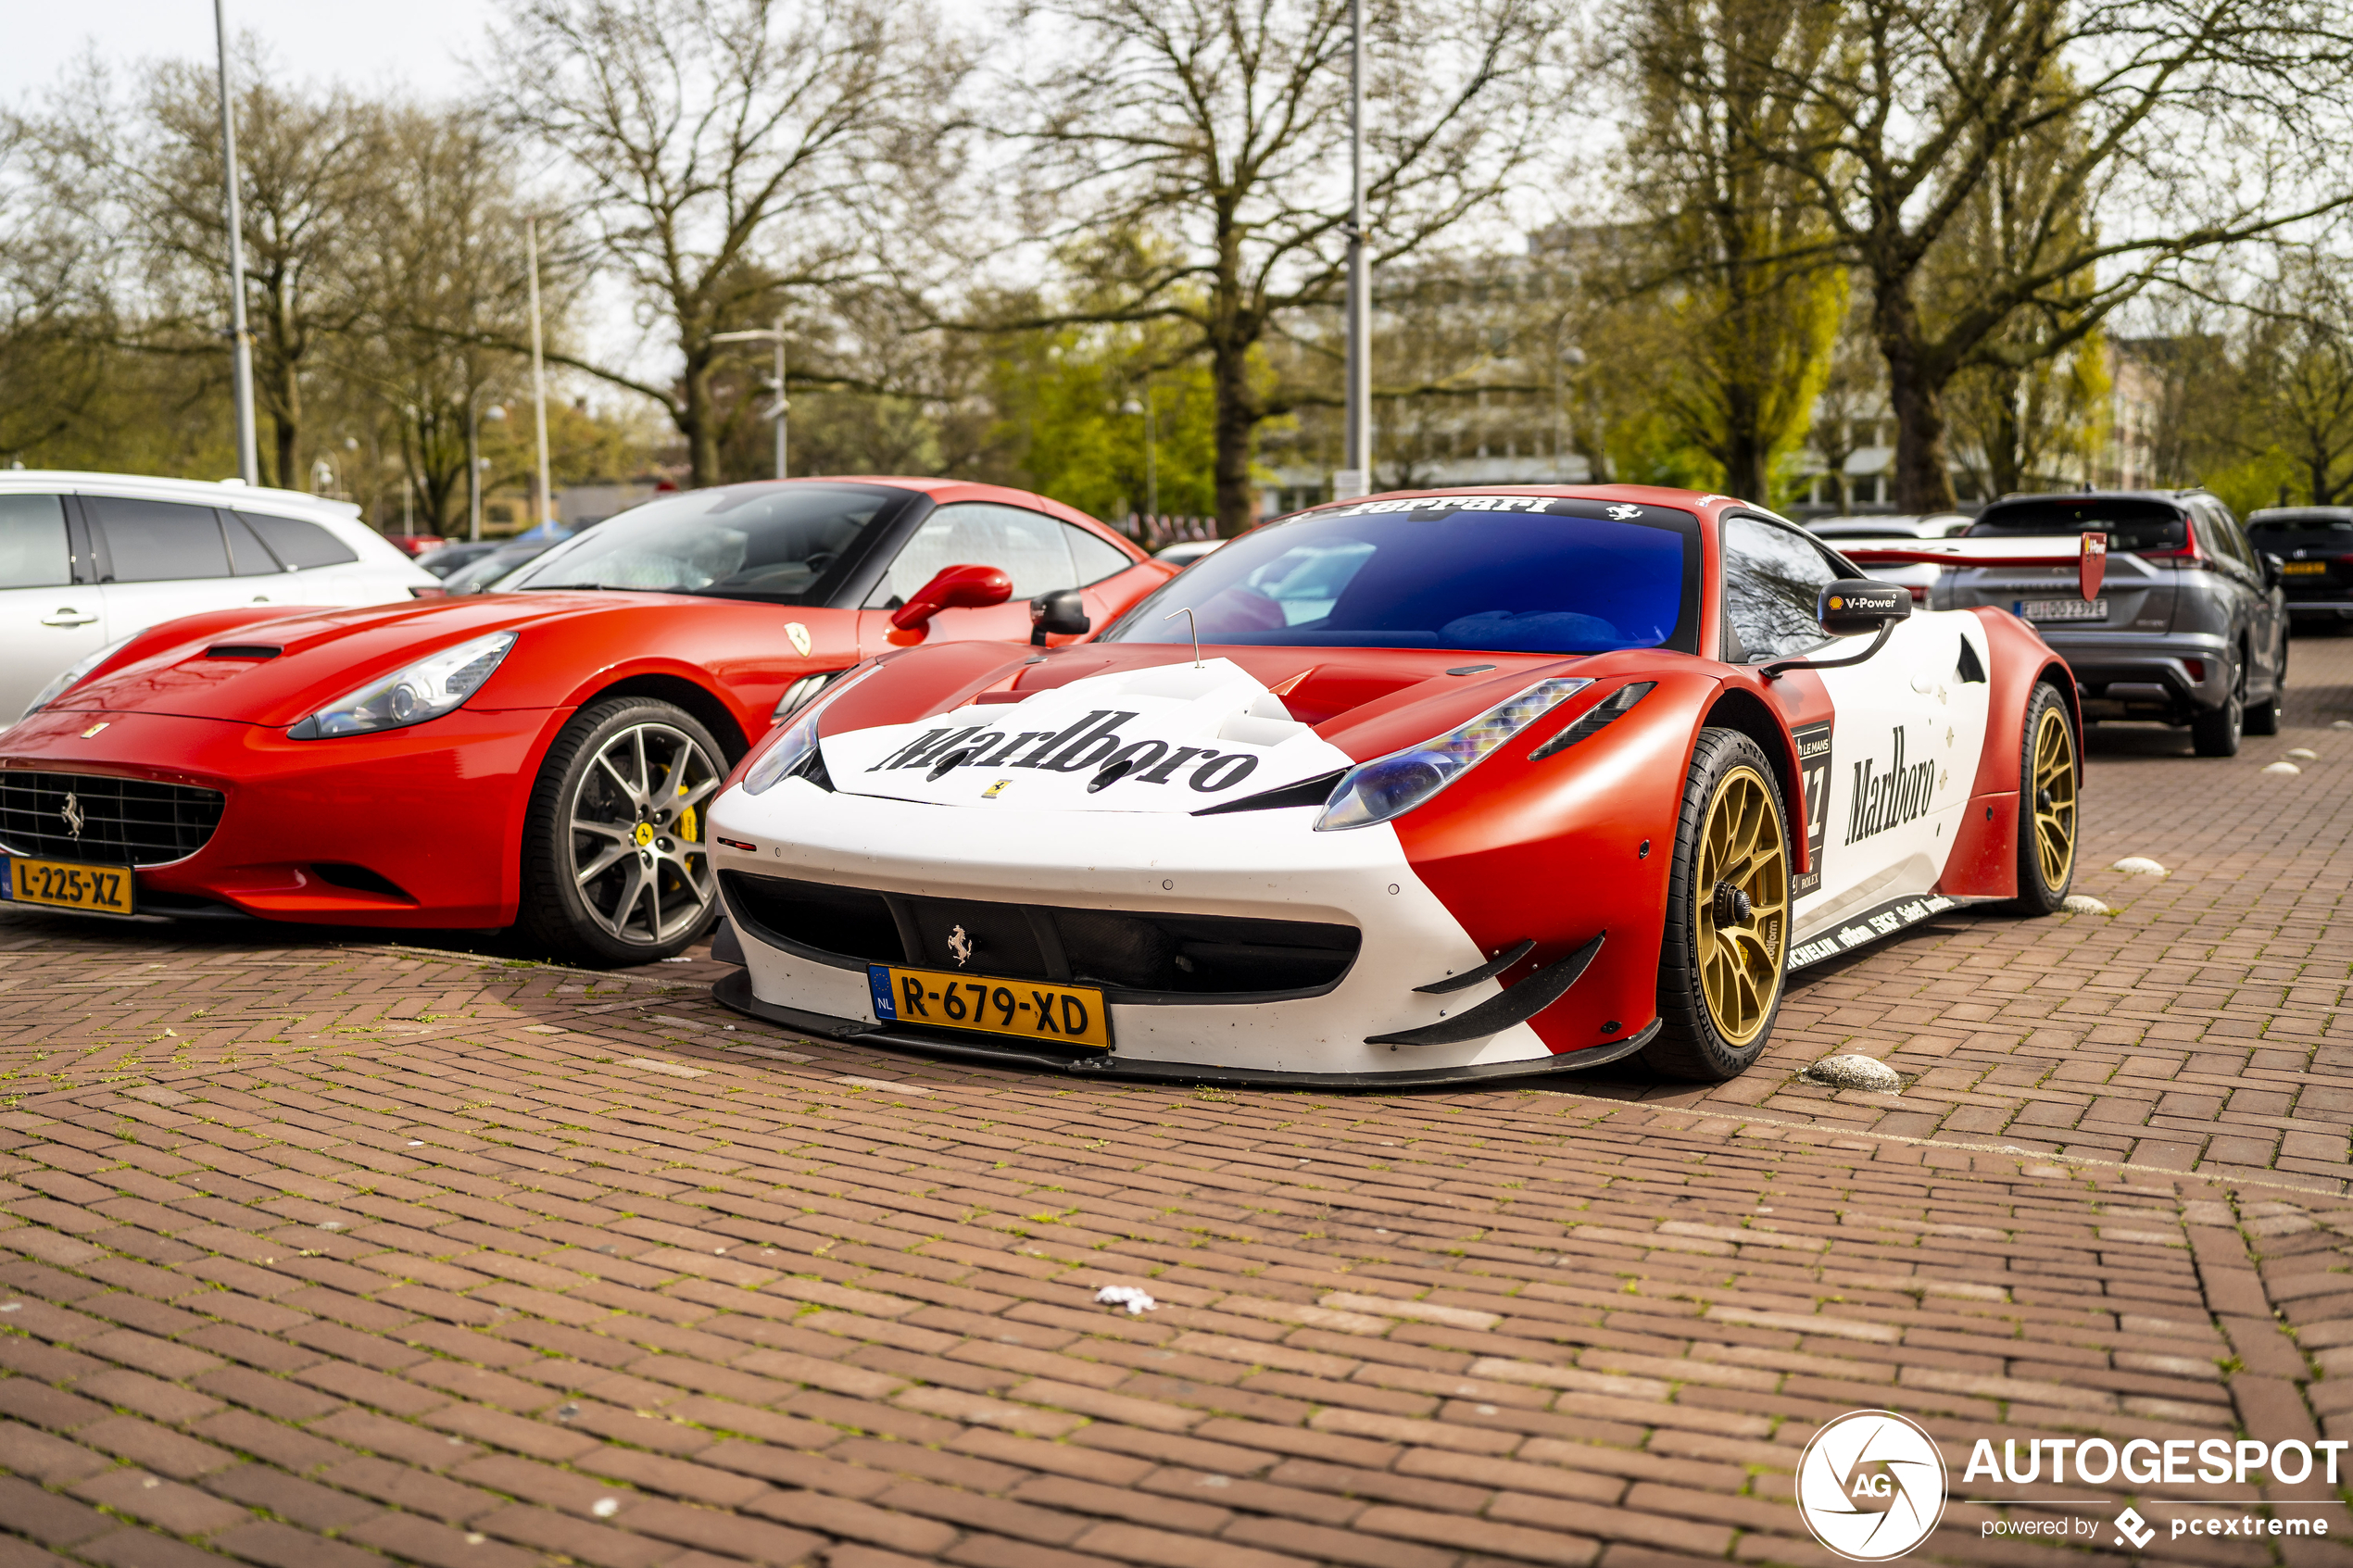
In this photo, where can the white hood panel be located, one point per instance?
(1191, 736)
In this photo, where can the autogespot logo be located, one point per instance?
(1871, 1485)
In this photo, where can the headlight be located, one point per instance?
(70, 675)
(792, 748)
(789, 749)
(1392, 786)
(426, 689)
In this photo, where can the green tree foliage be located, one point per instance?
(1063, 396)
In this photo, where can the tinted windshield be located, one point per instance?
(782, 543)
(2302, 530)
(2130, 524)
(1442, 576)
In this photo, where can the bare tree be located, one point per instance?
(2298, 358)
(727, 154)
(1737, 249)
(148, 175)
(1194, 151)
(2188, 125)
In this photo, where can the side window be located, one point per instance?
(159, 541)
(1034, 550)
(33, 551)
(1094, 559)
(296, 542)
(1773, 583)
(245, 555)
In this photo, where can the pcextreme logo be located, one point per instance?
(1871, 1485)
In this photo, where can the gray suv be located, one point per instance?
(2189, 628)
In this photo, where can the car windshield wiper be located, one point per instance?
(592, 588)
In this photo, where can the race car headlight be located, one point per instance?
(1391, 786)
(426, 689)
(791, 748)
(71, 675)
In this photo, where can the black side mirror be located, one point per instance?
(1855, 605)
(1061, 613)
(2273, 569)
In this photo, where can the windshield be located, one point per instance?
(2292, 531)
(2129, 522)
(1447, 574)
(780, 542)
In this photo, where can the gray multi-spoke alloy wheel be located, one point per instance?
(616, 867)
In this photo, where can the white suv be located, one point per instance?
(87, 560)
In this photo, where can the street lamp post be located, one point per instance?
(768, 334)
(538, 373)
(241, 353)
(1151, 469)
(1356, 478)
(475, 414)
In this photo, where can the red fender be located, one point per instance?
(1983, 863)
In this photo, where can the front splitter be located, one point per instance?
(734, 991)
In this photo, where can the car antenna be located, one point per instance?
(1194, 626)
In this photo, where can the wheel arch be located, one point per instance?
(677, 690)
(1738, 709)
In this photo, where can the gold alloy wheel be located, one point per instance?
(1742, 890)
(2055, 797)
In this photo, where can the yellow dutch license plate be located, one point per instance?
(66, 885)
(1037, 1011)
(2305, 567)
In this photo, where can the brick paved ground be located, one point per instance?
(315, 1255)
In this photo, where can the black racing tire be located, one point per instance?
(614, 868)
(2050, 779)
(2263, 718)
(1725, 957)
(2216, 732)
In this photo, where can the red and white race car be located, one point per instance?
(1452, 786)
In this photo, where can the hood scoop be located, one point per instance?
(243, 650)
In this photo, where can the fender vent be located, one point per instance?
(1969, 669)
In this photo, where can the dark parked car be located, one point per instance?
(2189, 628)
(2315, 547)
(448, 558)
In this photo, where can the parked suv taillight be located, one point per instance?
(2185, 554)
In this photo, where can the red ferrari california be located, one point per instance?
(544, 754)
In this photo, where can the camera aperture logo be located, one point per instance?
(1871, 1485)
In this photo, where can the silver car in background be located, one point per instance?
(1920, 577)
(2190, 627)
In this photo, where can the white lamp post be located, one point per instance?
(768, 334)
(240, 359)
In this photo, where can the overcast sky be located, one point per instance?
(366, 43)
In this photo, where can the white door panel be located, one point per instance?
(1908, 735)
(47, 621)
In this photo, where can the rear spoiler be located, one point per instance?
(2089, 551)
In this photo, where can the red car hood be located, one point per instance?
(218, 666)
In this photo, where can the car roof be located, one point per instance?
(2289, 514)
(201, 492)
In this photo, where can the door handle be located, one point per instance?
(66, 615)
(261, 599)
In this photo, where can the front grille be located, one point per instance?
(124, 821)
(1133, 955)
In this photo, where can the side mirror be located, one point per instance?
(1061, 613)
(2274, 569)
(1855, 605)
(954, 587)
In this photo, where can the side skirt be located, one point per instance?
(734, 991)
(1862, 930)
